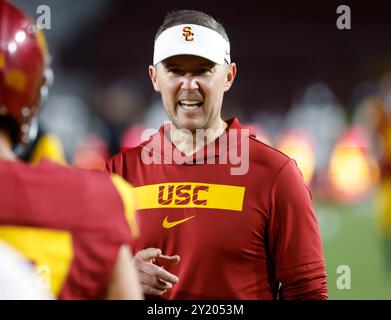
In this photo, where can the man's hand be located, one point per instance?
(150, 264)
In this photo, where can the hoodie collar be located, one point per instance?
(160, 145)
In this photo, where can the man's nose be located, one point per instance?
(189, 82)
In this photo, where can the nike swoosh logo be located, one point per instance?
(167, 224)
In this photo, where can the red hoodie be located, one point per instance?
(238, 236)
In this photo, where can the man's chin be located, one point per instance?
(189, 124)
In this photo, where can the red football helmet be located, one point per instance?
(23, 59)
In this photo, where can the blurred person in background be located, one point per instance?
(55, 216)
(68, 116)
(318, 102)
(115, 124)
(120, 104)
(250, 235)
(375, 114)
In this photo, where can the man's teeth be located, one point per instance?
(189, 102)
(189, 108)
(190, 105)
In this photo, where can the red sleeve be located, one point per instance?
(116, 165)
(295, 243)
(110, 166)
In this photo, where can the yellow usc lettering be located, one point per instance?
(181, 194)
(187, 194)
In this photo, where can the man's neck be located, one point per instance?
(190, 142)
(6, 152)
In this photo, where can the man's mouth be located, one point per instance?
(190, 105)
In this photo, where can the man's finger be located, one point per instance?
(152, 281)
(164, 284)
(167, 261)
(152, 291)
(158, 272)
(148, 254)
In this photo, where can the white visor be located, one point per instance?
(191, 39)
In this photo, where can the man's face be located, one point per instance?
(192, 89)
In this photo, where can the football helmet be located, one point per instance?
(24, 59)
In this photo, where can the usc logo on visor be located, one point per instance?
(188, 34)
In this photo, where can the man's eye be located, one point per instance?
(174, 70)
(203, 70)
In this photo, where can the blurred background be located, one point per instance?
(320, 94)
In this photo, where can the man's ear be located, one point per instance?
(153, 76)
(230, 77)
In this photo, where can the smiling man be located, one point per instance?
(192, 104)
(246, 234)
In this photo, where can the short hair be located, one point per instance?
(177, 17)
